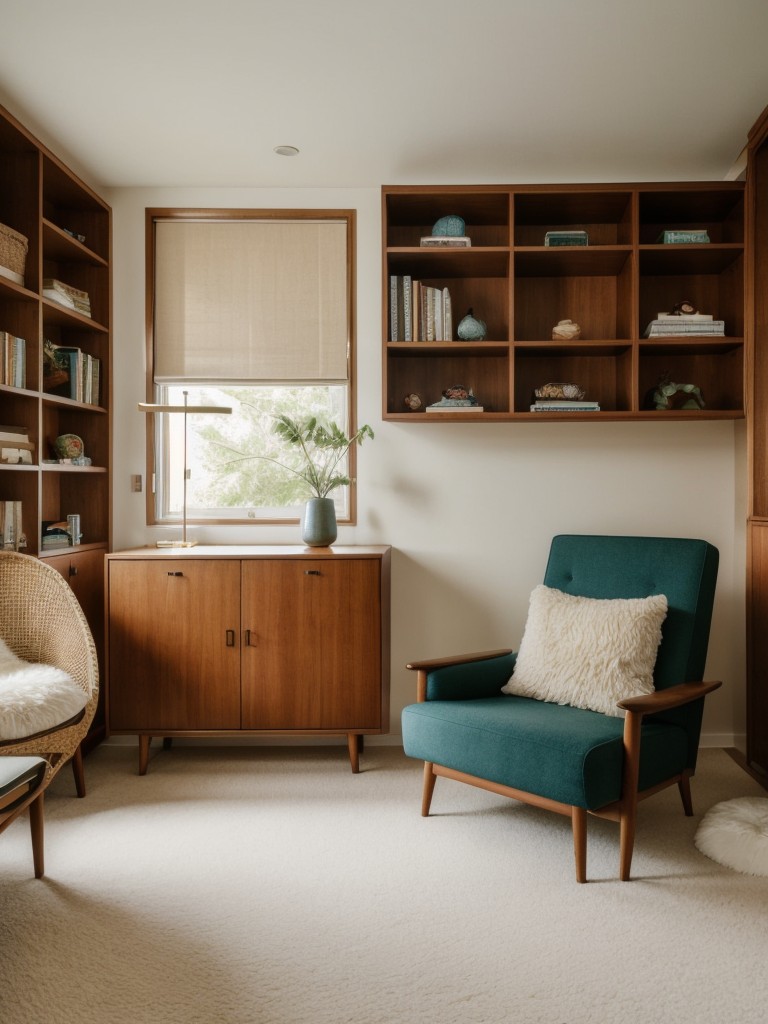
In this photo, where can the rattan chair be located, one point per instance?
(42, 621)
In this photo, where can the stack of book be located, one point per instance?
(575, 237)
(10, 526)
(13, 360)
(667, 325)
(418, 312)
(694, 236)
(71, 373)
(563, 405)
(445, 242)
(15, 447)
(66, 295)
(54, 535)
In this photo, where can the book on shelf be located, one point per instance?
(676, 326)
(10, 526)
(71, 373)
(15, 447)
(418, 312)
(575, 237)
(445, 242)
(563, 405)
(13, 360)
(692, 236)
(677, 317)
(66, 295)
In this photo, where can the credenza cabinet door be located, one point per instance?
(311, 656)
(174, 645)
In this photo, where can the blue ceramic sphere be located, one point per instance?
(451, 225)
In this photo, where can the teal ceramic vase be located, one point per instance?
(318, 527)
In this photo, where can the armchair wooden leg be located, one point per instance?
(78, 771)
(579, 825)
(684, 785)
(627, 824)
(429, 787)
(36, 824)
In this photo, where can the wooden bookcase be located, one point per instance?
(48, 204)
(612, 288)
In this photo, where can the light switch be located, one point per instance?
(136, 483)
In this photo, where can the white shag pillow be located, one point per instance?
(34, 697)
(588, 652)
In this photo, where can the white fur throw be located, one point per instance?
(34, 697)
(587, 652)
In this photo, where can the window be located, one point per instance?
(252, 310)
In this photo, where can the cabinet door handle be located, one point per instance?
(312, 572)
(230, 638)
(175, 573)
(73, 570)
(248, 642)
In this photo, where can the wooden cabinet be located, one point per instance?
(229, 641)
(68, 232)
(612, 287)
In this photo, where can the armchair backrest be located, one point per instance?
(684, 570)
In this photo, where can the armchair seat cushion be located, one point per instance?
(563, 753)
(34, 697)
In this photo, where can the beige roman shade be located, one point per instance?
(259, 301)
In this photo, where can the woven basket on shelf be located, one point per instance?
(13, 249)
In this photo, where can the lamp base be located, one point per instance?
(176, 543)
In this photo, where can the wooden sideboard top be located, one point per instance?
(239, 551)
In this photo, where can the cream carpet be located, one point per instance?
(271, 886)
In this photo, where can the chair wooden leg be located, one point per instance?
(627, 824)
(36, 824)
(78, 771)
(579, 825)
(429, 787)
(684, 785)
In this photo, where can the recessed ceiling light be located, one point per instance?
(286, 150)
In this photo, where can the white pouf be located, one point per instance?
(735, 833)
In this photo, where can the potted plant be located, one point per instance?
(321, 450)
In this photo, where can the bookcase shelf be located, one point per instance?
(51, 206)
(612, 287)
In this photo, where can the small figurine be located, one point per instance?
(471, 329)
(664, 395)
(566, 330)
(684, 308)
(456, 397)
(413, 402)
(571, 392)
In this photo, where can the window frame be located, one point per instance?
(156, 457)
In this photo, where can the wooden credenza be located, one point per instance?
(229, 641)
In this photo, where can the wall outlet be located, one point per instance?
(136, 483)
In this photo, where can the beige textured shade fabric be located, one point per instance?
(251, 300)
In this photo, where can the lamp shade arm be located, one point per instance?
(672, 697)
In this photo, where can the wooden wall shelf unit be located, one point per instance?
(613, 288)
(234, 641)
(48, 204)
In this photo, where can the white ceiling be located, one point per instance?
(185, 92)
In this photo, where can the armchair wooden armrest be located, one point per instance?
(432, 664)
(672, 697)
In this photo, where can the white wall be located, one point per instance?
(469, 509)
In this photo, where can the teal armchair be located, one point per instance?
(567, 759)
